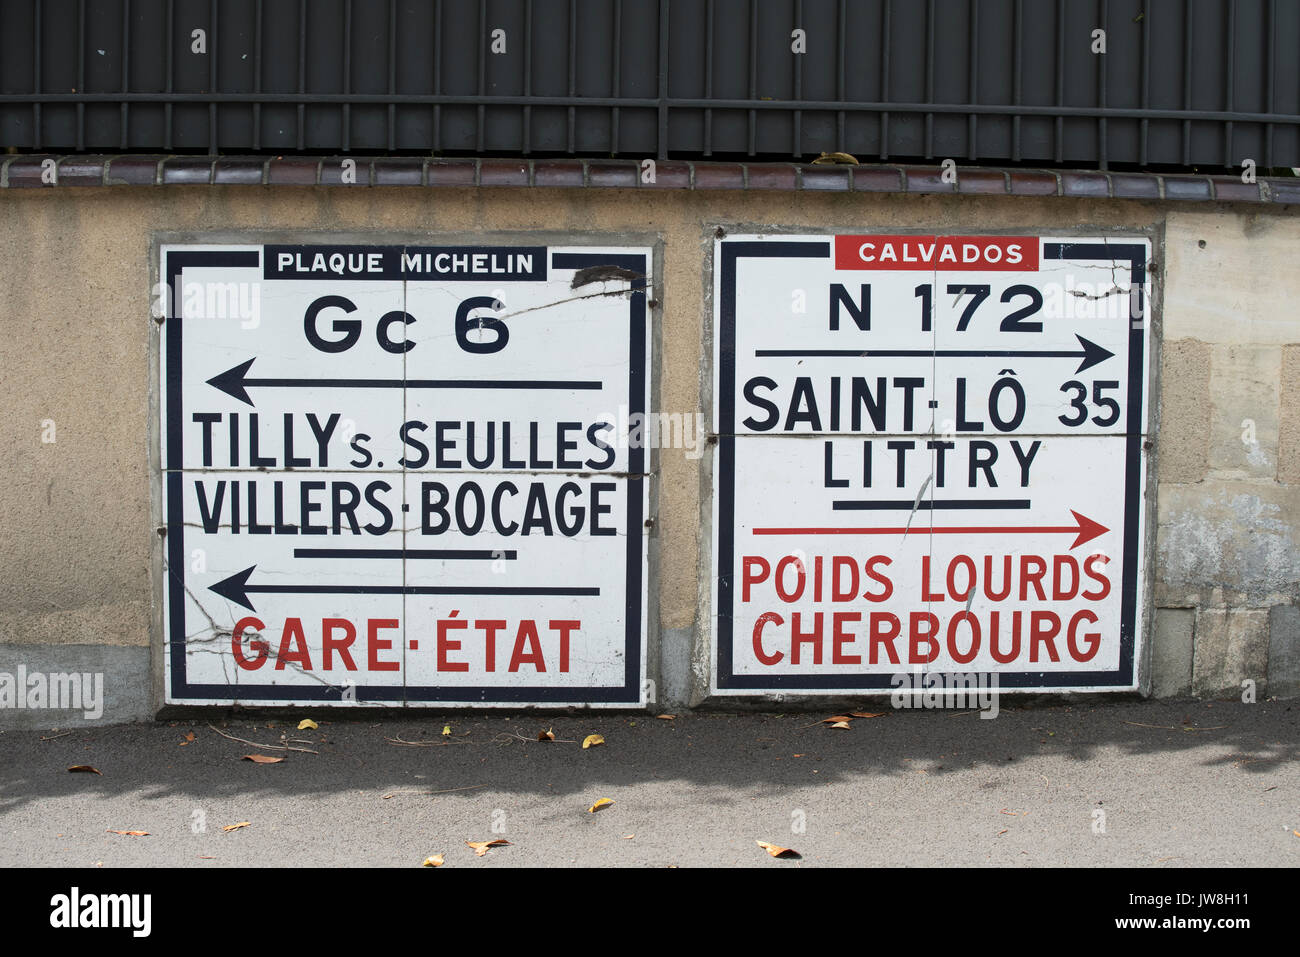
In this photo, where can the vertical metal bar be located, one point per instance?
(1146, 90)
(1060, 81)
(347, 75)
(37, 41)
(302, 71)
(528, 75)
(573, 72)
(884, 78)
(708, 76)
(840, 88)
(124, 121)
(972, 82)
(1270, 65)
(1017, 74)
(257, 76)
(616, 76)
(1188, 28)
(167, 108)
(1103, 149)
(81, 74)
(437, 75)
(797, 125)
(1229, 93)
(929, 77)
(482, 74)
(212, 78)
(753, 74)
(392, 74)
(662, 145)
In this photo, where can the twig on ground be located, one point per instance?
(1169, 727)
(265, 747)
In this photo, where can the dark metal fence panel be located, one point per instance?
(1181, 83)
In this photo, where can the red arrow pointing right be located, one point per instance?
(1085, 530)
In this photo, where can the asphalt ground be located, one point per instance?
(1127, 783)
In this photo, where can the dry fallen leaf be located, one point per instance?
(603, 802)
(843, 725)
(262, 759)
(836, 719)
(1296, 833)
(592, 740)
(130, 833)
(666, 717)
(236, 827)
(628, 837)
(776, 851)
(867, 714)
(87, 768)
(481, 847)
(433, 861)
(547, 735)
(836, 159)
(307, 724)
(188, 738)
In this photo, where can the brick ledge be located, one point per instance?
(24, 171)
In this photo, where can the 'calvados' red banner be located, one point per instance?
(967, 253)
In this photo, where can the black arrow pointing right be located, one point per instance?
(1091, 354)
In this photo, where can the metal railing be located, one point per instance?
(1180, 84)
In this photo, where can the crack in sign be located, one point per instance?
(917, 504)
(560, 302)
(1112, 291)
(219, 635)
(584, 277)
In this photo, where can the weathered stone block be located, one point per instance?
(1288, 437)
(1182, 441)
(1284, 651)
(1244, 426)
(1172, 650)
(1231, 646)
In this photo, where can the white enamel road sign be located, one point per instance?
(931, 458)
(393, 475)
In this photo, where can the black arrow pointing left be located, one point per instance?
(235, 382)
(237, 589)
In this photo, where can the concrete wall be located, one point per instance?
(79, 551)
